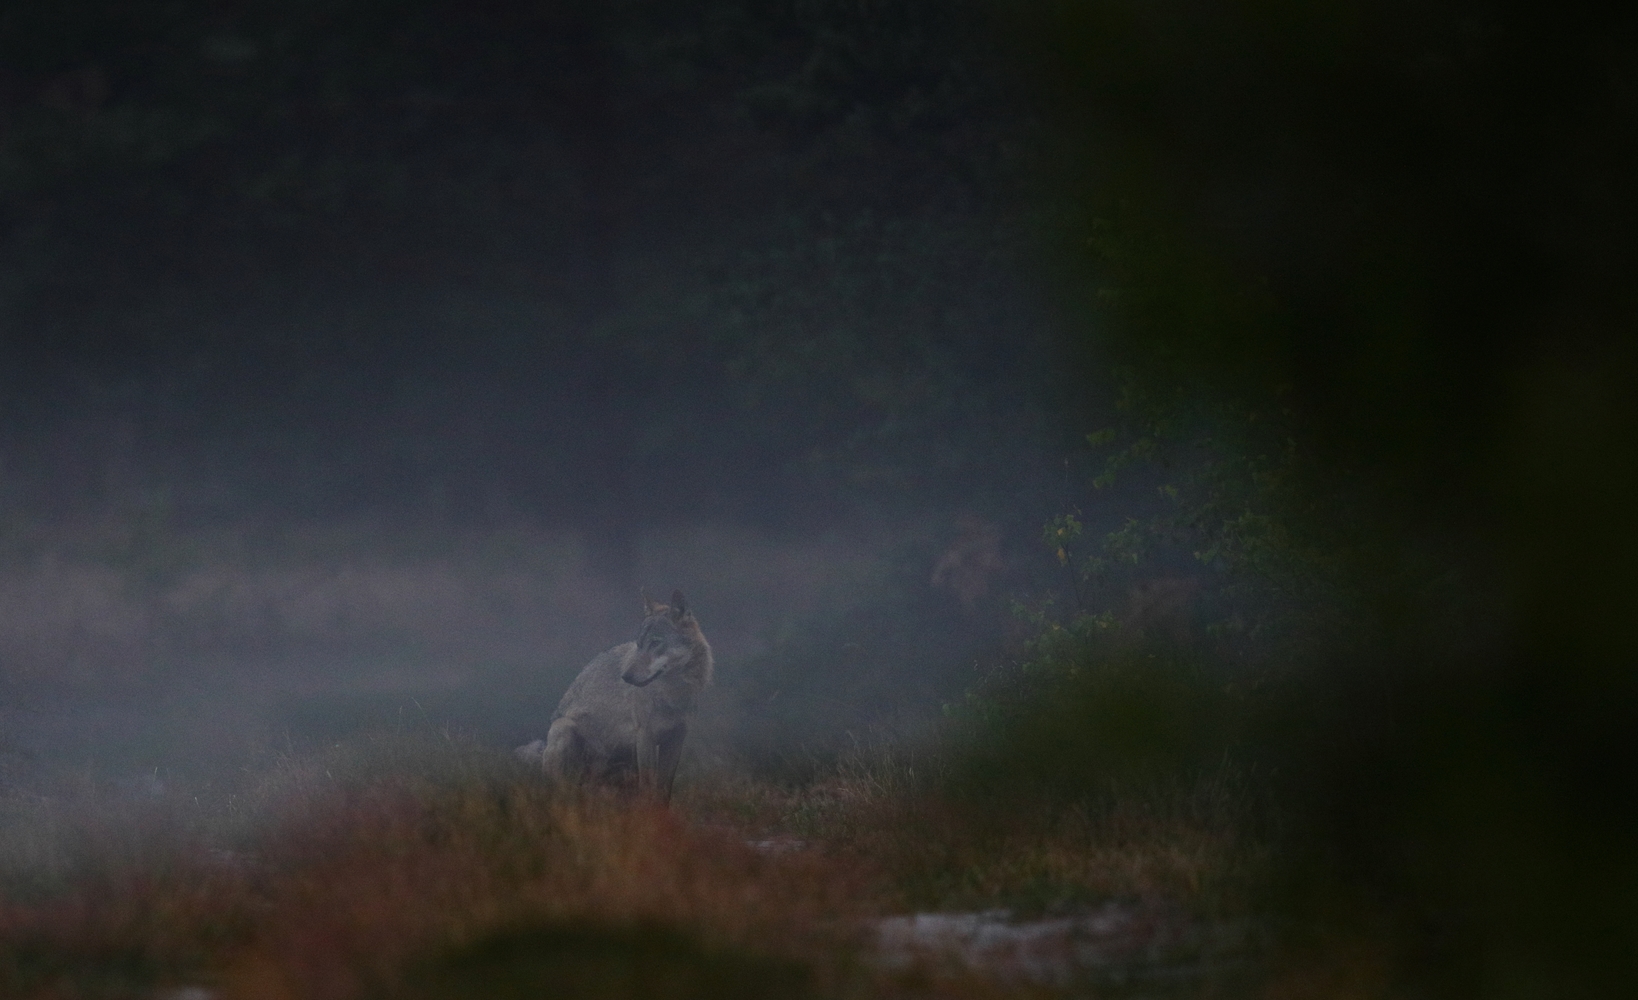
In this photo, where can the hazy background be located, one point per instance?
(360, 361)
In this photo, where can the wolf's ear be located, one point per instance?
(650, 609)
(679, 605)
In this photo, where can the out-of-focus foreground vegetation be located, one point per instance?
(1368, 266)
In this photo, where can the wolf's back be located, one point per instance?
(598, 682)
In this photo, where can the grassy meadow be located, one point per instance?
(382, 854)
(428, 866)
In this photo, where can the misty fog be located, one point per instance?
(343, 394)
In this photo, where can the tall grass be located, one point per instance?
(386, 885)
(351, 874)
(428, 866)
(934, 842)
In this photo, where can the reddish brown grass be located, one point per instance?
(355, 887)
(932, 851)
(388, 877)
(351, 892)
(116, 929)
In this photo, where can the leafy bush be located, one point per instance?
(1082, 713)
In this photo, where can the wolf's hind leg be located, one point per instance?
(564, 758)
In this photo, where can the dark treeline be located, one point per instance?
(602, 265)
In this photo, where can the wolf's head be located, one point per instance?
(670, 642)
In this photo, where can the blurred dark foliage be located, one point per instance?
(604, 963)
(1385, 250)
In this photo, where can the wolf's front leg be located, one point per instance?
(648, 764)
(669, 755)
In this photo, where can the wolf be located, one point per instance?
(623, 721)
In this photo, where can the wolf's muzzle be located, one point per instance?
(656, 667)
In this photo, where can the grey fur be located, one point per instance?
(623, 721)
